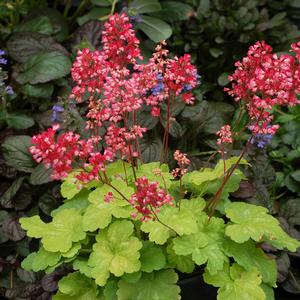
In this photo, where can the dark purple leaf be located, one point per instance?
(26, 276)
(6, 198)
(49, 282)
(290, 210)
(12, 229)
(246, 190)
(90, 32)
(283, 265)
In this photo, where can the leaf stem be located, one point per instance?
(161, 222)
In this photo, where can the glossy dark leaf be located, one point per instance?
(144, 6)
(283, 265)
(246, 190)
(151, 149)
(43, 91)
(290, 210)
(40, 175)
(218, 114)
(21, 46)
(58, 21)
(18, 121)
(40, 24)
(47, 203)
(32, 290)
(174, 11)
(23, 198)
(5, 199)
(43, 67)
(89, 32)
(26, 276)
(12, 229)
(94, 14)
(292, 284)
(195, 112)
(157, 30)
(16, 152)
(145, 119)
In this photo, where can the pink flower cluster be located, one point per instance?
(264, 79)
(148, 199)
(60, 153)
(115, 87)
(225, 135)
(183, 163)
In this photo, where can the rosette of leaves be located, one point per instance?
(116, 257)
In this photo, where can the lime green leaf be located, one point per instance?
(116, 252)
(235, 283)
(195, 205)
(69, 188)
(76, 286)
(154, 171)
(58, 235)
(34, 225)
(208, 174)
(249, 256)
(79, 202)
(183, 222)
(117, 170)
(97, 196)
(205, 245)
(73, 251)
(152, 257)
(99, 214)
(155, 29)
(251, 221)
(269, 292)
(110, 290)
(184, 264)
(40, 260)
(159, 285)
(132, 277)
(82, 266)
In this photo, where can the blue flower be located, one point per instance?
(3, 61)
(9, 90)
(262, 140)
(137, 18)
(2, 52)
(186, 88)
(56, 110)
(159, 87)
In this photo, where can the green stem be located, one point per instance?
(67, 7)
(161, 222)
(79, 9)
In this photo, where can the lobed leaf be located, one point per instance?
(116, 252)
(159, 285)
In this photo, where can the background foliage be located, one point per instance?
(41, 40)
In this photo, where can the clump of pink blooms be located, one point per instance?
(224, 134)
(264, 79)
(148, 198)
(183, 163)
(115, 87)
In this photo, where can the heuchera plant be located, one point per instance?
(126, 228)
